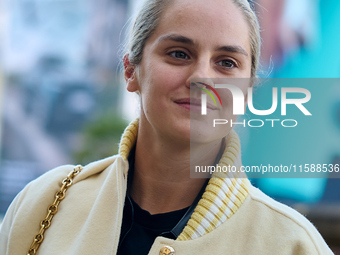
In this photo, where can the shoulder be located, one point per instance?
(30, 205)
(51, 180)
(287, 223)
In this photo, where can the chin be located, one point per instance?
(183, 131)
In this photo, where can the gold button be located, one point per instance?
(167, 250)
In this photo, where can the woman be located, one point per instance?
(143, 200)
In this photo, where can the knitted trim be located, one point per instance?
(128, 139)
(223, 196)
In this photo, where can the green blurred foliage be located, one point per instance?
(100, 138)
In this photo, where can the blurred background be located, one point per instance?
(63, 99)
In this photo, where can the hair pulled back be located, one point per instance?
(149, 17)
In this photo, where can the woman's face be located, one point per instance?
(194, 39)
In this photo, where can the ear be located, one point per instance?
(130, 75)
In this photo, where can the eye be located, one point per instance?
(227, 63)
(179, 54)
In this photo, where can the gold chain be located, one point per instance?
(52, 209)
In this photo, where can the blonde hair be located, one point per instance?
(149, 16)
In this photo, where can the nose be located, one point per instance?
(201, 71)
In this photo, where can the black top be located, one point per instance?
(140, 228)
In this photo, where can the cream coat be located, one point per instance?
(89, 219)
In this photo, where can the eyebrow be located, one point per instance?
(233, 48)
(186, 40)
(176, 38)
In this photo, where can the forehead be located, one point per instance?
(207, 22)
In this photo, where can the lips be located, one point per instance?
(193, 104)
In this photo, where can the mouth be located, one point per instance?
(194, 104)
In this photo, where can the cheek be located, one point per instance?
(161, 79)
(159, 84)
(170, 76)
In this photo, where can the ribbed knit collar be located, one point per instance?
(223, 196)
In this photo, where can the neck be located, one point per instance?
(161, 181)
